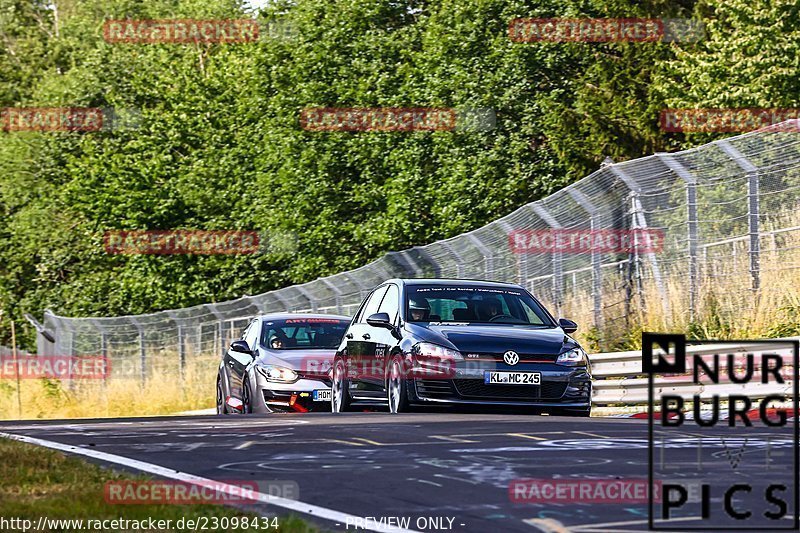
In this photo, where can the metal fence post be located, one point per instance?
(337, 293)
(422, 253)
(181, 331)
(751, 171)
(199, 343)
(103, 347)
(406, 262)
(385, 273)
(637, 260)
(142, 353)
(219, 335)
(181, 351)
(459, 259)
(286, 304)
(143, 356)
(363, 290)
(692, 226)
(418, 270)
(521, 255)
(308, 296)
(597, 271)
(558, 258)
(488, 258)
(640, 222)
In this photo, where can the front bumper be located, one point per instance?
(290, 397)
(561, 386)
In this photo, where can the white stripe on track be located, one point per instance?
(285, 503)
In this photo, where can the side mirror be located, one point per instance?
(241, 347)
(567, 325)
(380, 320)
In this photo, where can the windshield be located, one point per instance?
(474, 304)
(299, 333)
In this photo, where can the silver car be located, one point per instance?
(281, 363)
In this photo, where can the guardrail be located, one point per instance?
(619, 378)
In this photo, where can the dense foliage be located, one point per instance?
(220, 145)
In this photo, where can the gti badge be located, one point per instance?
(511, 358)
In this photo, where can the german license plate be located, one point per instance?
(512, 378)
(322, 395)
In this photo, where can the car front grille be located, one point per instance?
(523, 357)
(318, 376)
(476, 388)
(435, 388)
(270, 395)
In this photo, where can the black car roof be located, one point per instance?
(446, 281)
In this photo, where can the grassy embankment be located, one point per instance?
(38, 482)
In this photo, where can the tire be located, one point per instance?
(247, 396)
(396, 386)
(222, 409)
(340, 388)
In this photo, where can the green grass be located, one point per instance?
(38, 482)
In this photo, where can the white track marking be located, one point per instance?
(609, 527)
(547, 525)
(285, 503)
(186, 424)
(451, 439)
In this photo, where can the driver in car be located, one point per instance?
(419, 310)
(276, 343)
(491, 308)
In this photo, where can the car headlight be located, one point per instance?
(574, 357)
(427, 349)
(279, 374)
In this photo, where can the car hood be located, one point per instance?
(497, 338)
(311, 361)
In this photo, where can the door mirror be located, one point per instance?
(380, 320)
(241, 347)
(567, 325)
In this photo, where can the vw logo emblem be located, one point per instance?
(511, 358)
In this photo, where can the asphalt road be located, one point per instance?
(456, 467)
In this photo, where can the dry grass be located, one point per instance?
(726, 305)
(164, 392)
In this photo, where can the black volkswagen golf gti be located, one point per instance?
(422, 341)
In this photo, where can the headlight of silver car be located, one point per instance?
(278, 374)
(574, 357)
